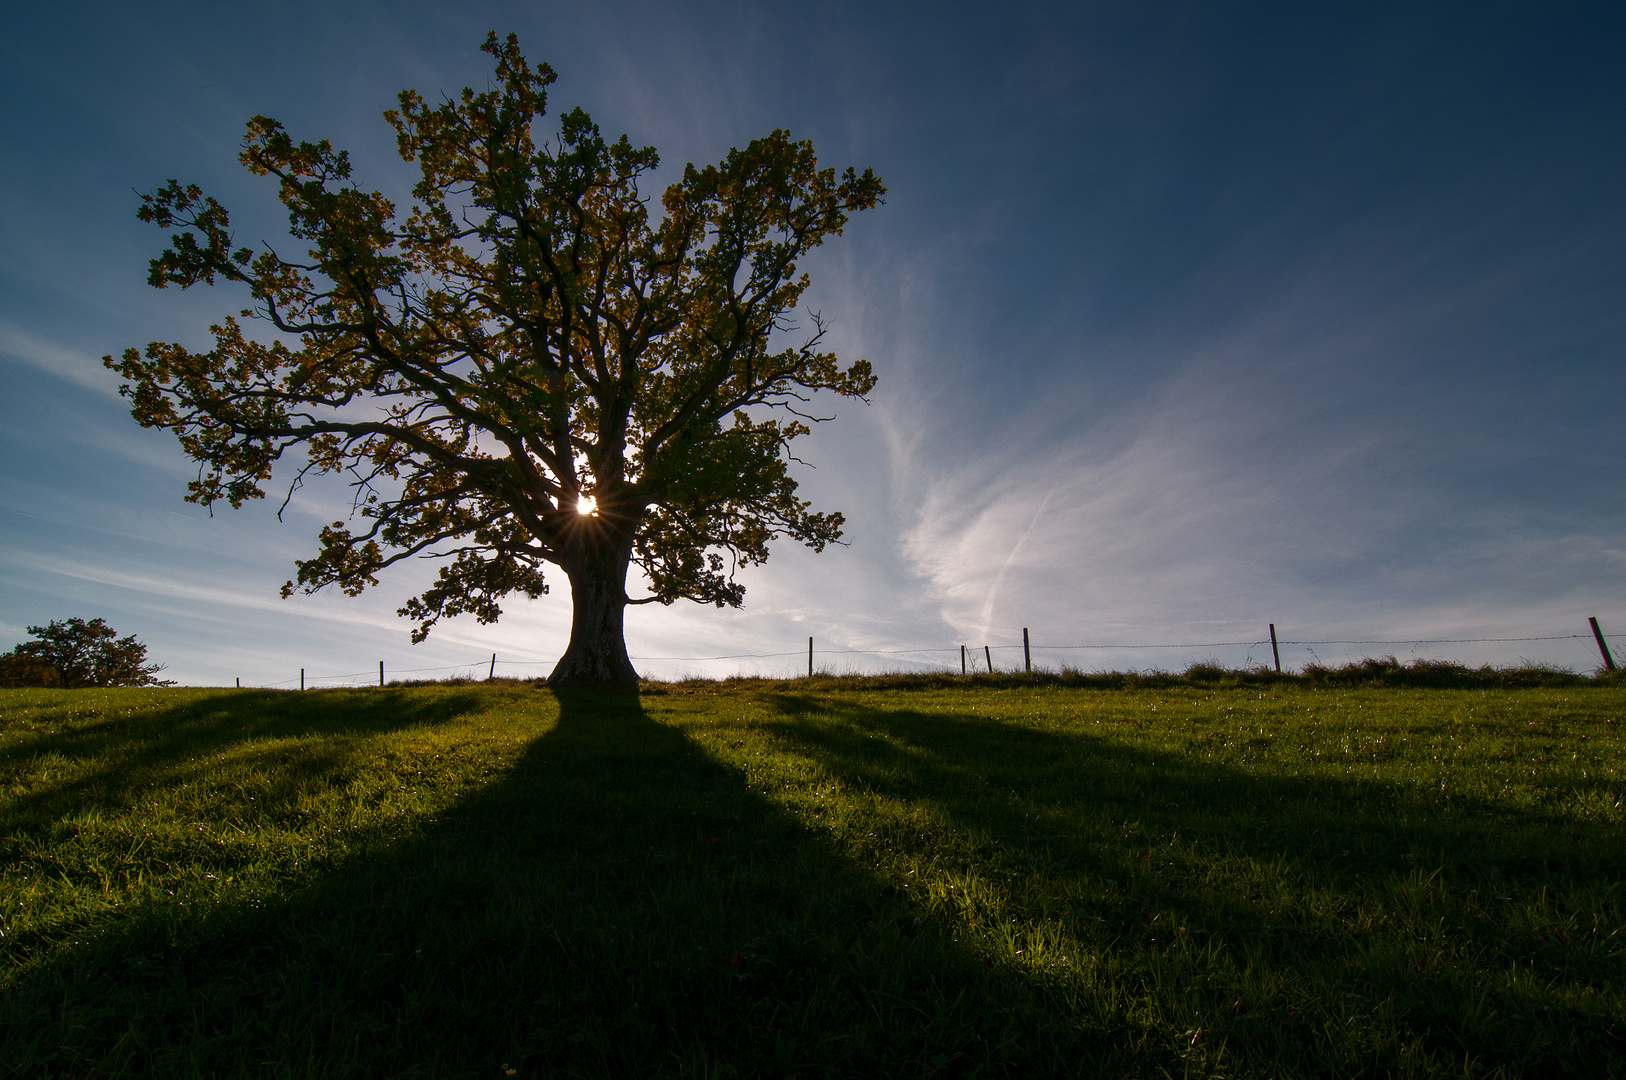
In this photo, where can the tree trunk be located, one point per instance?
(597, 653)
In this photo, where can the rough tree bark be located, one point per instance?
(597, 569)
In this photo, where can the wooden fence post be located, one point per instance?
(1603, 646)
(492, 674)
(239, 682)
(1027, 656)
(302, 678)
(988, 656)
(962, 659)
(1275, 652)
(381, 673)
(810, 658)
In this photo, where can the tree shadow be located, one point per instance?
(618, 903)
(1288, 878)
(106, 758)
(621, 903)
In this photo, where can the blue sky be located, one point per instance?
(1188, 319)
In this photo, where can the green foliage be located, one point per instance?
(16, 671)
(980, 877)
(1382, 672)
(1388, 671)
(522, 339)
(76, 653)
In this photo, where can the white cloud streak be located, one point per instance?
(78, 365)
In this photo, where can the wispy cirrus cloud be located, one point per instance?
(1177, 334)
(77, 363)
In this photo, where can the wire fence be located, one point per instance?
(961, 657)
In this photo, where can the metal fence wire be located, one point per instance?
(492, 663)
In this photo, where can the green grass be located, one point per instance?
(934, 877)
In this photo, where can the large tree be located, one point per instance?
(522, 369)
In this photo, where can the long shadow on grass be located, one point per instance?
(1316, 925)
(617, 904)
(111, 757)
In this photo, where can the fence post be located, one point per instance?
(239, 682)
(1603, 646)
(302, 678)
(988, 656)
(492, 674)
(810, 658)
(381, 673)
(1275, 652)
(962, 659)
(1027, 656)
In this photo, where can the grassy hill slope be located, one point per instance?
(811, 878)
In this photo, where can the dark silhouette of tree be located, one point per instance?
(76, 653)
(523, 369)
(16, 671)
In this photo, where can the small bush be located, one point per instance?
(1382, 671)
(1388, 671)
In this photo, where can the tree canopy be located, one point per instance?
(525, 368)
(75, 653)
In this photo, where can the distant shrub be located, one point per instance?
(1384, 671)
(1389, 671)
(89, 654)
(17, 671)
(1381, 671)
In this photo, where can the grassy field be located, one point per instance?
(937, 877)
